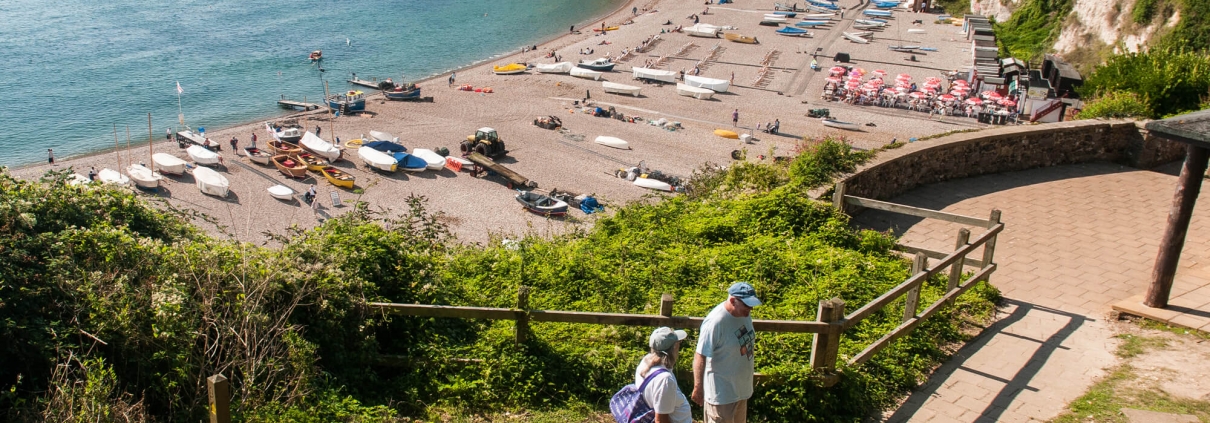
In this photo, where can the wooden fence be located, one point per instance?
(831, 320)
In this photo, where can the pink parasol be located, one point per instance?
(991, 95)
(960, 82)
(833, 79)
(928, 89)
(946, 97)
(852, 84)
(1007, 103)
(918, 95)
(879, 72)
(903, 77)
(975, 101)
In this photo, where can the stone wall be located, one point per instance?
(1007, 149)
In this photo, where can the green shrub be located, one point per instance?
(1116, 105)
(1166, 81)
(1143, 11)
(1032, 29)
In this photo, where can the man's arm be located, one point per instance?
(699, 371)
(663, 418)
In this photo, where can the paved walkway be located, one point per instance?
(1077, 239)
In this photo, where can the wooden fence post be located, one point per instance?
(989, 248)
(522, 328)
(838, 197)
(220, 398)
(912, 300)
(964, 236)
(666, 305)
(826, 345)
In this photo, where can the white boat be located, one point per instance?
(863, 34)
(840, 125)
(383, 136)
(585, 73)
(317, 145)
(377, 159)
(167, 163)
(774, 18)
(614, 142)
(211, 182)
(78, 179)
(702, 30)
(201, 155)
(716, 85)
(461, 162)
(561, 67)
(655, 74)
(855, 38)
(819, 16)
(873, 23)
(143, 177)
(695, 92)
(654, 184)
(866, 26)
(435, 161)
(110, 176)
(289, 134)
(915, 31)
(281, 192)
(616, 88)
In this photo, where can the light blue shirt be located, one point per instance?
(728, 344)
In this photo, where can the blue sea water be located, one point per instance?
(74, 69)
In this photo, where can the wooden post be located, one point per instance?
(1187, 188)
(826, 345)
(220, 398)
(666, 305)
(912, 300)
(989, 248)
(838, 197)
(964, 236)
(522, 328)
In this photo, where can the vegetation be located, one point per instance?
(957, 8)
(1143, 11)
(1192, 32)
(1032, 29)
(1157, 83)
(125, 308)
(1116, 105)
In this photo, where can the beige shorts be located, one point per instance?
(736, 412)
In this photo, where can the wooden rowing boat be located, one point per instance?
(337, 177)
(282, 147)
(289, 166)
(257, 155)
(741, 38)
(313, 162)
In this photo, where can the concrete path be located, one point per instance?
(1078, 238)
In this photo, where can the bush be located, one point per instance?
(1032, 29)
(1143, 11)
(1167, 81)
(1116, 105)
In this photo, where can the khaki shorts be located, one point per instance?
(736, 412)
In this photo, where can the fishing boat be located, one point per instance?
(211, 182)
(509, 69)
(561, 67)
(855, 38)
(726, 134)
(313, 162)
(695, 92)
(337, 177)
(654, 75)
(432, 160)
(741, 38)
(774, 18)
(383, 136)
(599, 65)
(282, 147)
(202, 156)
(585, 73)
(168, 163)
(410, 163)
(289, 166)
(289, 134)
(616, 88)
(873, 22)
(281, 192)
(377, 160)
(317, 145)
(316, 55)
(143, 177)
(541, 205)
(653, 184)
(348, 102)
(110, 176)
(786, 14)
(702, 30)
(809, 24)
(402, 92)
(840, 125)
(793, 32)
(878, 13)
(614, 142)
(712, 84)
(257, 155)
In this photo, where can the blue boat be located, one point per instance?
(825, 5)
(786, 14)
(809, 24)
(411, 163)
(403, 92)
(792, 31)
(881, 13)
(886, 5)
(386, 146)
(350, 102)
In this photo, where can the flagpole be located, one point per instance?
(180, 112)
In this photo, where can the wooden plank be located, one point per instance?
(825, 346)
(966, 261)
(915, 211)
(964, 235)
(219, 393)
(500, 169)
(838, 197)
(989, 250)
(666, 305)
(428, 310)
(521, 330)
(911, 303)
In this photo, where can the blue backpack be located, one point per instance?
(628, 405)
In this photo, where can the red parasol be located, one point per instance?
(991, 95)
(1007, 103)
(918, 95)
(973, 101)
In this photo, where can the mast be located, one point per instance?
(117, 148)
(150, 139)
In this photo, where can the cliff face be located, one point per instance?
(1108, 24)
(998, 9)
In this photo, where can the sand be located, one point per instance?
(568, 160)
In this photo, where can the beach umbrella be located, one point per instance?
(902, 90)
(1007, 103)
(962, 89)
(838, 69)
(903, 77)
(852, 84)
(974, 101)
(833, 79)
(960, 82)
(946, 97)
(991, 95)
(928, 89)
(879, 72)
(918, 95)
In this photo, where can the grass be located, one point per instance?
(1133, 345)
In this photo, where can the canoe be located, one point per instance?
(378, 160)
(167, 163)
(434, 161)
(616, 88)
(561, 67)
(110, 176)
(599, 65)
(579, 72)
(201, 155)
(290, 134)
(880, 13)
(695, 92)
(257, 155)
(793, 32)
(773, 18)
(143, 177)
(211, 182)
(654, 75)
(653, 184)
(702, 30)
(809, 24)
(281, 192)
(289, 166)
(317, 145)
(741, 38)
(337, 177)
(410, 163)
(726, 134)
(614, 142)
(541, 205)
(609, 28)
(383, 136)
(854, 38)
(873, 22)
(712, 84)
(840, 125)
(314, 163)
(509, 69)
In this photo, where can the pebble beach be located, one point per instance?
(770, 80)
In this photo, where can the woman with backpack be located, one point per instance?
(659, 396)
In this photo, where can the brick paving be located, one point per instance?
(1077, 239)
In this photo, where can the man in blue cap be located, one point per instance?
(723, 364)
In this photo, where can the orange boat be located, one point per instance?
(290, 166)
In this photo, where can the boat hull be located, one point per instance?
(378, 160)
(257, 155)
(615, 88)
(211, 182)
(695, 92)
(653, 184)
(337, 177)
(281, 192)
(143, 177)
(289, 166)
(433, 161)
(561, 67)
(312, 162)
(654, 75)
(581, 72)
(712, 84)
(167, 163)
(320, 147)
(596, 65)
(202, 156)
(541, 205)
(841, 125)
(613, 142)
(741, 38)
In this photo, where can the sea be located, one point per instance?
(76, 72)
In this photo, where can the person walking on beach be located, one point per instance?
(453, 75)
(723, 366)
(234, 143)
(735, 118)
(50, 156)
(635, 10)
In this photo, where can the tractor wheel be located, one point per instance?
(465, 146)
(481, 149)
(500, 147)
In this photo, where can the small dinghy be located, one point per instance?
(433, 160)
(257, 155)
(599, 65)
(616, 88)
(541, 205)
(840, 125)
(289, 166)
(855, 38)
(716, 85)
(317, 145)
(377, 160)
(771, 17)
(653, 184)
(585, 73)
(726, 134)
(110, 176)
(695, 92)
(313, 162)
(283, 147)
(561, 67)
(811, 24)
(143, 177)
(819, 16)
(865, 26)
(168, 163)
(201, 155)
(654, 75)
(290, 134)
(386, 146)
(793, 32)
(877, 13)
(509, 69)
(211, 182)
(383, 136)
(613, 142)
(874, 22)
(786, 14)
(281, 192)
(702, 30)
(338, 177)
(78, 179)
(741, 38)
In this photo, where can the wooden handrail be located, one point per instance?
(915, 211)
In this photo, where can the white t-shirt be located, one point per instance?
(663, 395)
(727, 342)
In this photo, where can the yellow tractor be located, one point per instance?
(485, 142)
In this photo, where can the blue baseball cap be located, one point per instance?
(745, 293)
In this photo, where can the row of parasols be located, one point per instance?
(852, 80)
